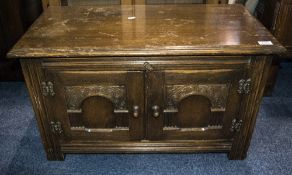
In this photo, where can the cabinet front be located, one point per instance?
(191, 103)
(95, 105)
(198, 104)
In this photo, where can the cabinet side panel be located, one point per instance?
(258, 74)
(31, 73)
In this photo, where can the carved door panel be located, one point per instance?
(193, 104)
(97, 105)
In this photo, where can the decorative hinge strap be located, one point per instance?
(244, 86)
(48, 88)
(56, 128)
(236, 125)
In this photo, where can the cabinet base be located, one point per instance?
(147, 147)
(55, 156)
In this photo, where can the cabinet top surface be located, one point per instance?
(144, 31)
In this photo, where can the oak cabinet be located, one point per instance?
(163, 79)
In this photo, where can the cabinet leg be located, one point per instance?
(272, 77)
(51, 155)
(235, 156)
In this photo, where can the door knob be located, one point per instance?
(135, 111)
(155, 109)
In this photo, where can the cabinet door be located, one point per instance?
(193, 104)
(96, 105)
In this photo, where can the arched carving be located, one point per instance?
(217, 93)
(76, 94)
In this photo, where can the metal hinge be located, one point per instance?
(244, 86)
(56, 128)
(148, 67)
(48, 88)
(236, 125)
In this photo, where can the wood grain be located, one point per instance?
(163, 30)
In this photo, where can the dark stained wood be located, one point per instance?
(148, 87)
(250, 107)
(146, 147)
(32, 74)
(201, 103)
(99, 102)
(98, 112)
(47, 3)
(136, 97)
(154, 104)
(194, 111)
(273, 75)
(187, 33)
